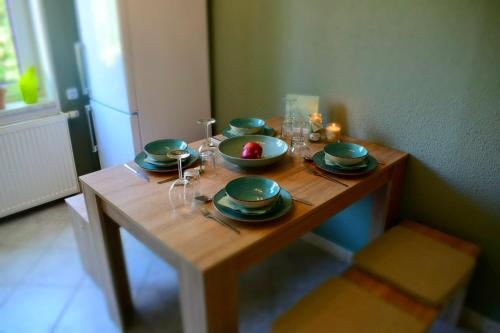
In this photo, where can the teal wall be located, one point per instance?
(62, 32)
(420, 76)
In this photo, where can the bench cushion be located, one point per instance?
(341, 306)
(427, 269)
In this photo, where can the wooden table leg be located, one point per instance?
(209, 300)
(387, 200)
(110, 260)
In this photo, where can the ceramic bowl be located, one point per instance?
(246, 125)
(158, 150)
(345, 153)
(273, 150)
(253, 192)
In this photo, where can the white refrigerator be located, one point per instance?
(145, 66)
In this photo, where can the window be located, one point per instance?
(18, 47)
(9, 68)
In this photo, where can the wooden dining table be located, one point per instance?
(209, 257)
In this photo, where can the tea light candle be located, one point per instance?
(316, 121)
(333, 132)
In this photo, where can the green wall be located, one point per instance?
(63, 33)
(420, 76)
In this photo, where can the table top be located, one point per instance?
(144, 207)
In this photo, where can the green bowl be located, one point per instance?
(158, 150)
(253, 192)
(246, 125)
(273, 150)
(345, 153)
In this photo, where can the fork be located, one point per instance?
(209, 215)
(315, 172)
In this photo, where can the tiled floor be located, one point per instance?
(44, 289)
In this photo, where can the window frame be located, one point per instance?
(25, 18)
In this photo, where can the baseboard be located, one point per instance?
(334, 249)
(475, 321)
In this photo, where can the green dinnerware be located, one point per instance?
(158, 150)
(246, 125)
(345, 153)
(282, 207)
(266, 130)
(162, 164)
(141, 161)
(360, 165)
(226, 202)
(319, 160)
(253, 191)
(273, 150)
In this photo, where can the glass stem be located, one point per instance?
(179, 165)
(207, 132)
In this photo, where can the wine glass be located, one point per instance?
(182, 198)
(207, 150)
(300, 131)
(178, 155)
(290, 114)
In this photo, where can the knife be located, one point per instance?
(137, 173)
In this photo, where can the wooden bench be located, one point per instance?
(431, 266)
(81, 228)
(402, 282)
(356, 303)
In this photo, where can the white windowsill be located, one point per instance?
(17, 112)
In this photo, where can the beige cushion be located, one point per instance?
(425, 268)
(341, 306)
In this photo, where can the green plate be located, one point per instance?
(363, 164)
(283, 207)
(163, 164)
(319, 159)
(140, 161)
(266, 130)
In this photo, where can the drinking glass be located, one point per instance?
(179, 154)
(290, 115)
(207, 150)
(182, 198)
(209, 163)
(300, 132)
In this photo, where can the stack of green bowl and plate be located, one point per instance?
(343, 158)
(253, 199)
(247, 126)
(155, 155)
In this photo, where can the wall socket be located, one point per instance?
(71, 94)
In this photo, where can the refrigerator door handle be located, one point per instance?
(88, 112)
(80, 65)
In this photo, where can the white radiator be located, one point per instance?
(36, 163)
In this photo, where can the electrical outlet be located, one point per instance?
(71, 94)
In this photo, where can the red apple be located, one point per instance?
(252, 151)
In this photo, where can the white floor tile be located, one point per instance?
(15, 263)
(86, 313)
(66, 239)
(5, 292)
(33, 309)
(32, 230)
(56, 267)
